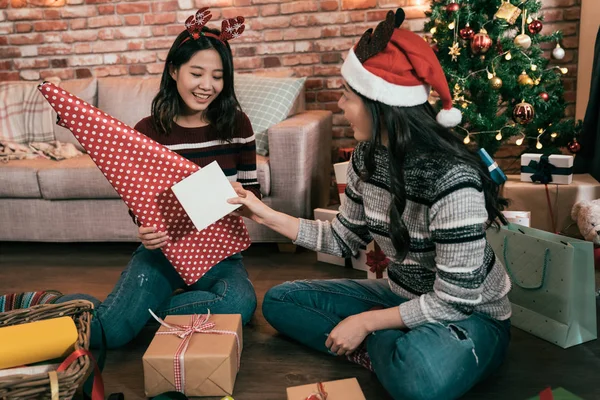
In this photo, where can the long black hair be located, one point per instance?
(416, 129)
(223, 112)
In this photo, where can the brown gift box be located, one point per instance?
(344, 389)
(210, 361)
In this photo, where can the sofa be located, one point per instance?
(71, 201)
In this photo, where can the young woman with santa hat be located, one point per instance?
(440, 323)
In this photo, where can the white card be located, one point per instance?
(204, 195)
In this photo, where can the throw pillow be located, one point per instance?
(267, 101)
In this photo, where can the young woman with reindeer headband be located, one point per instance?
(440, 323)
(197, 115)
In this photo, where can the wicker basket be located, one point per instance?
(38, 386)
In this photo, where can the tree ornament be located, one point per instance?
(495, 83)
(523, 113)
(481, 42)
(508, 12)
(558, 52)
(454, 51)
(467, 32)
(545, 96)
(574, 146)
(523, 41)
(535, 27)
(452, 7)
(525, 80)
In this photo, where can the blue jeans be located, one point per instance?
(149, 282)
(432, 361)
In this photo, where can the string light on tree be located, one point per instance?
(519, 141)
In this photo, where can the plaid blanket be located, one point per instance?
(53, 150)
(25, 116)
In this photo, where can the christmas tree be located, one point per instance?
(502, 82)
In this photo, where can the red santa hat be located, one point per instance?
(397, 67)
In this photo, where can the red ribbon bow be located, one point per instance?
(377, 261)
(198, 324)
(321, 395)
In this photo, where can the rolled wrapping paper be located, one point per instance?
(495, 171)
(142, 172)
(37, 341)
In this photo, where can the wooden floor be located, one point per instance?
(270, 363)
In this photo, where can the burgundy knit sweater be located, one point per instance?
(201, 146)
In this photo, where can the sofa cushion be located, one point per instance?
(267, 101)
(263, 170)
(25, 115)
(74, 178)
(18, 178)
(127, 99)
(86, 90)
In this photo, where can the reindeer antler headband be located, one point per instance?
(230, 28)
(372, 43)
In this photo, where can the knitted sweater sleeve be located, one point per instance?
(348, 232)
(457, 228)
(247, 174)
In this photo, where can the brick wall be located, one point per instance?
(81, 38)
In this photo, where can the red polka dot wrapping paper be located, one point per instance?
(142, 172)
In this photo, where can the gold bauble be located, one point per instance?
(495, 83)
(525, 80)
(523, 41)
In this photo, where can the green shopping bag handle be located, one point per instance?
(512, 276)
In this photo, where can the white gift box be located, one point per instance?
(561, 167)
(340, 170)
(325, 214)
(518, 217)
(360, 262)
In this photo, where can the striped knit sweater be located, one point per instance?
(199, 145)
(450, 270)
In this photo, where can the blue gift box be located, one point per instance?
(495, 171)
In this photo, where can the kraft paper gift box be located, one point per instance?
(325, 214)
(555, 168)
(340, 170)
(344, 389)
(208, 365)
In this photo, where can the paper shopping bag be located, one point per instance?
(552, 278)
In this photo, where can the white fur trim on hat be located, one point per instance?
(449, 118)
(378, 89)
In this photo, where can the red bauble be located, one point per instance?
(535, 27)
(545, 96)
(452, 8)
(574, 146)
(481, 42)
(523, 113)
(467, 33)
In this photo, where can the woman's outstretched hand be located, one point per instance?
(252, 207)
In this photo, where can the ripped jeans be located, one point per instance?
(149, 281)
(432, 361)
